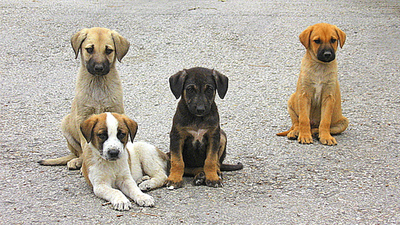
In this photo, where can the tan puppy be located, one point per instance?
(111, 161)
(98, 87)
(315, 107)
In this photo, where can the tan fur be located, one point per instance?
(93, 94)
(315, 107)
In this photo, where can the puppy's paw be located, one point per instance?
(144, 200)
(147, 185)
(121, 204)
(74, 164)
(199, 179)
(292, 135)
(327, 140)
(214, 181)
(173, 183)
(305, 138)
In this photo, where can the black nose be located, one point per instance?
(113, 153)
(200, 109)
(98, 68)
(326, 55)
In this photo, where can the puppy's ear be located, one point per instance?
(77, 39)
(176, 83)
(221, 82)
(305, 36)
(341, 35)
(121, 45)
(132, 126)
(87, 127)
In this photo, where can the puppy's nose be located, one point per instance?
(327, 55)
(98, 67)
(200, 109)
(113, 153)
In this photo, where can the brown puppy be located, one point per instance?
(197, 143)
(315, 107)
(98, 87)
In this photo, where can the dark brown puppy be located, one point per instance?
(197, 143)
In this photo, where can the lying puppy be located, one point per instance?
(315, 107)
(98, 87)
(111, 161)
(197, 143)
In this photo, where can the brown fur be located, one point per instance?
(315, 107)
(98, 87)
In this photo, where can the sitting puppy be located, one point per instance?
(315, 107)
(111, 161)
(197, 143)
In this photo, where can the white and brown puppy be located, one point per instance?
(98, 87)
(111, 161)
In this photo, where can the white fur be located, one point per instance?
(106, 176)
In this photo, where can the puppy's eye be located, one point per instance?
(109, 51)
(103, 136)
(209, 90)
(317, 41)
(121, 135)
(190, 89)
(333, 40)
(90, 50)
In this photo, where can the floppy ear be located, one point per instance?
(77, 39)
(87, 127)
(132, 126)
(121, 45)
(342, 36)
(305, 36)
(176, 83)
(221, 82)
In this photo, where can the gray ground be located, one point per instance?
(254, 43)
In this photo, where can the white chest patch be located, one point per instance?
(198, 134)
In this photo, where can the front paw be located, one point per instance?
(147, 185)
(144, 200)
(327, 140)
(292, 135)
(305, 138)
(121, 204)
(74, 164)
(214, 181)
(173, 184)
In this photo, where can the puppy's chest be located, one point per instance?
(198, 135)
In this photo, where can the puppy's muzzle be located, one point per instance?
(113, 154)
(98, 68)
(326, 55)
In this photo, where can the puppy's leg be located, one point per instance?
(177, 165)
(211, 164)
(293, 132)
(339, 126)
(325, 136)
(128, 186)
(154, 164)
(304, 119)
(118, 200)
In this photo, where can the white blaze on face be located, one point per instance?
(113, 143)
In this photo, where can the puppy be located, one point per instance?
(315, 107)
(98, 87)
(197, 143)
(112, 161)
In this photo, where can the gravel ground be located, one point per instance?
(255, 44)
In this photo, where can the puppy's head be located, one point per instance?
(109, 133)
(99, 48)
(321, 40)
(198, 86)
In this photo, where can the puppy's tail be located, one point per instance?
(230, 167)
(285, 133)
(57, 162)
